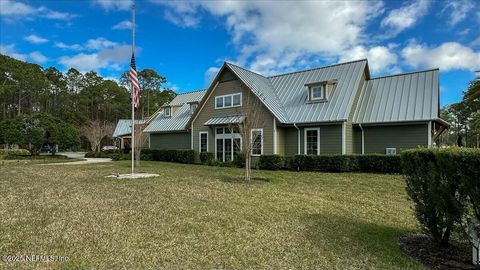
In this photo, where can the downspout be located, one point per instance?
(298, 143)
(363, 139)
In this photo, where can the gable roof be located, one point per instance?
(398, 98)
(124, 127)
(292, 92)
(179, 119)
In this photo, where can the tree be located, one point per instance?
(141, 139)
(250, 119)
(95, 131)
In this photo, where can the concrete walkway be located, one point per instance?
(79, 155)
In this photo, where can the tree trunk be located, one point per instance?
(137, 157)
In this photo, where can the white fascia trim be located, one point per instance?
(305, 139)
(191, 138)
(274, 136)
(344, 138)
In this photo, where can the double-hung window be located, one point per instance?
(257, 141)
(312, 141)
(228, 101)
(203, 141)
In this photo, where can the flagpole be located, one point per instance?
(133, 94)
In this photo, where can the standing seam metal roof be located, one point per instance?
(124, 127)
(399, 98)
(181, 116)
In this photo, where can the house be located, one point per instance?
(123, 132)
(337, 109)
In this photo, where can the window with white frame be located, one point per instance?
(317, 92)
(312, 141)
(167, 111)
(203, 141)
(193, 107)
(257, 141)
(228, 101)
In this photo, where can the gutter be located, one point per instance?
(295, 125)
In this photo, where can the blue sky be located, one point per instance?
(187, 41)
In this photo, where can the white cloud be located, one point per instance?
(99, 43)
(447, 56)
(36, 39)
(114, 4)
(11, 51)
(123, 25)
(272, 34)
(10, 8)
(111, 58)
(37, 57)
(405, 17)
(210, 74)
(73, 47)
(457, 10)
(380, 58)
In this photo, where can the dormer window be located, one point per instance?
(317, 92)
(193, 107)
(320, 91)
(167, 111)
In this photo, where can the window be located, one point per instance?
(203, 141)
(167, 111)
(391, 151)
(228, 143)
(193, 107)
(312, 141)
(228, 101)
(317, 92)
(257, 142)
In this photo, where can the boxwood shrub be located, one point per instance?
(442, 183)
(206, 158)
(270, 162)
(179, 155)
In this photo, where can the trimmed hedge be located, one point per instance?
(15, 152)
(206, 158)
(271, 162)
(180, 155)
(443, 184)
(333, 163)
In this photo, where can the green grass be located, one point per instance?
(193, 217)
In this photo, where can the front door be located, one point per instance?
(228, 143)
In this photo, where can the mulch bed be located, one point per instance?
(458, 255)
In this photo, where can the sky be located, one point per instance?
(188, 41)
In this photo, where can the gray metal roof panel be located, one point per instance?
(124, 127)
(398, 98)
(224, 120)
(181, 116)
(263, 89)
(293, 94)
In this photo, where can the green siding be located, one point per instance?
(170, 141)
(378, 138)
(357, 140)
(291, 144)
(330, 140)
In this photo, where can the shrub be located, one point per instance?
(113, 155)
(379, 163)
(270, 162)
(180, 155)
(15, 152)
(206, 158)
(433, 185)
(239, 160)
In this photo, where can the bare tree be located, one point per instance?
(95, 131)
(250, 118)
(141, 139)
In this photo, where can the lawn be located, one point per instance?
(193, 216)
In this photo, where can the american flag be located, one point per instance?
(134, 81)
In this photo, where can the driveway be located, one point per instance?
(80, 155)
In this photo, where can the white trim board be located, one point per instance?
(305, 139)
